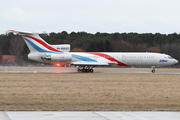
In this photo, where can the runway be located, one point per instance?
(141, 72)
(88, 115)
(58, 72)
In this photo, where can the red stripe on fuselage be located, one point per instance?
(43, 43)
(109, 58)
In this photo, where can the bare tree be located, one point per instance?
(16, 48)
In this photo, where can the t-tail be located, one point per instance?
(36, 44)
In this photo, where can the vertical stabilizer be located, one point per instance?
(35, 43)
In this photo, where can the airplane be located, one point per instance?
(59, 55)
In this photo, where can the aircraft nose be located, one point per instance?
(175, 61)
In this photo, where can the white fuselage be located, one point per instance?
(59, 54)
(117, 58)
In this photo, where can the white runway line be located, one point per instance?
(4, 116)
(88, 115)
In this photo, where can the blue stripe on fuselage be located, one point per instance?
(83, 58)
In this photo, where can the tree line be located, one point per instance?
(11, 44)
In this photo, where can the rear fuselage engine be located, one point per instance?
(58, 57)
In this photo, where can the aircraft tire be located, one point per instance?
(153, 71)
(91, 70)
(84, 70)
(87, 70)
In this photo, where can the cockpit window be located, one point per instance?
(170, 57)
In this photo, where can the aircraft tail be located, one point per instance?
(36, 44)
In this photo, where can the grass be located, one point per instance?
(83, 91)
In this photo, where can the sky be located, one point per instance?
(91, 16)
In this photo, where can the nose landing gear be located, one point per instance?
(153, 70)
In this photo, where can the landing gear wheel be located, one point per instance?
(87, 70)
(91, 70)
(84, 70)
(153, 71)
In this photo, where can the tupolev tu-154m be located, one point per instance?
(41, 51)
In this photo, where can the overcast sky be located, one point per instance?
(141, 16)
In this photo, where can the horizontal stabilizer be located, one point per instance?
(22, 33)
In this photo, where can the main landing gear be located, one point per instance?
(153, 70)
(86, 69)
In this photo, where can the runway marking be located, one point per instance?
(4, 116)
(101, 115)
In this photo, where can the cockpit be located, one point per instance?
(169, 57)
(172, 59)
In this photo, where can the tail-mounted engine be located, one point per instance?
(59, 57)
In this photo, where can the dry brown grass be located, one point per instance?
(74, 91)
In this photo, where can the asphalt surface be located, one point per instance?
(90, 73)
(88, 115)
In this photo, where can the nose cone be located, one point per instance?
(175, 61)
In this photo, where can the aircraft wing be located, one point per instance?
(92, 63)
